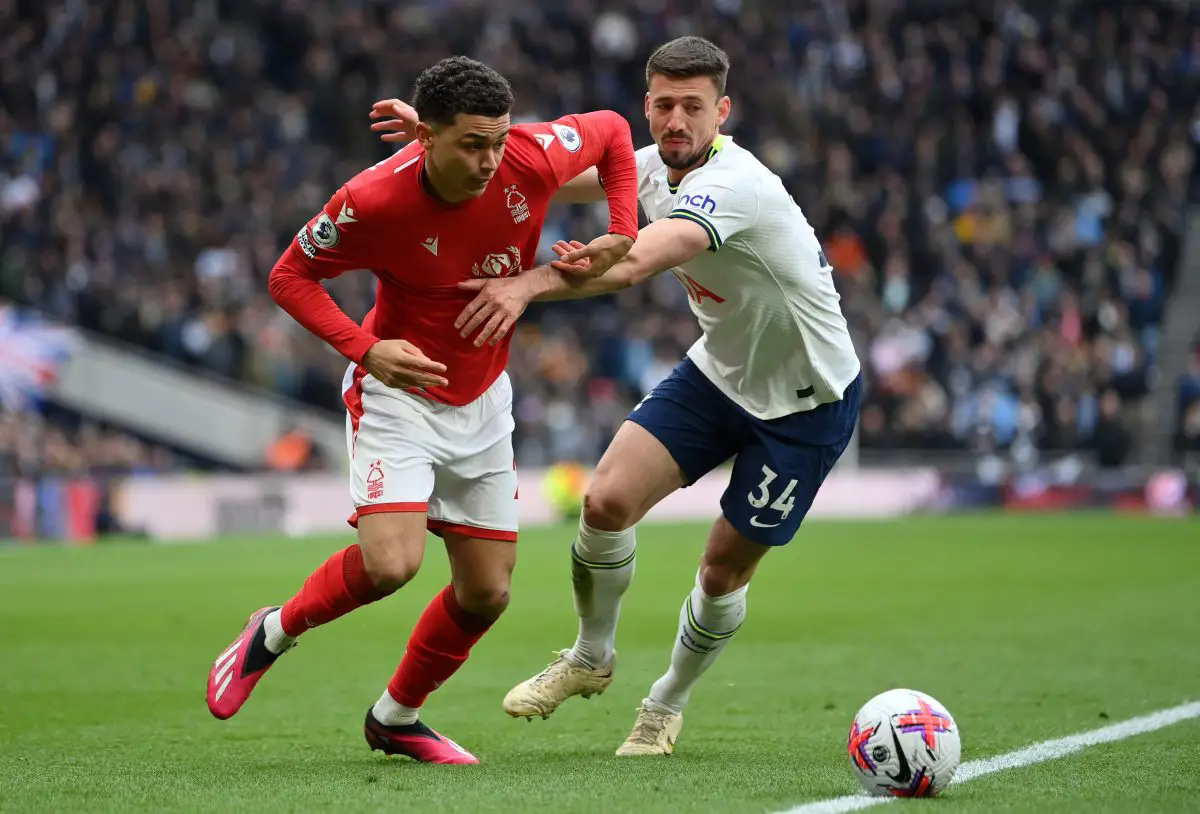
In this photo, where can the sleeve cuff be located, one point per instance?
(359, 347)
(714, 237)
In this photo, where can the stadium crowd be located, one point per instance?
(999, 185)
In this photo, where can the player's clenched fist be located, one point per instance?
(399, 363)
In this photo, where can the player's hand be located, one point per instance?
(403, 127)
(399, 363)
(497, 307)
(595, 258)
(580, 268)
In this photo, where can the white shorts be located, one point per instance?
(411, 454)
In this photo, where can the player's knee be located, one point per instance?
(723, 578)
(390, 567)
(488, 601)
(606, 509)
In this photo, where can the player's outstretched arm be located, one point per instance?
(599, 142)
(662, 245)
(501, 301)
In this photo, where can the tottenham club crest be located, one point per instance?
(324, 233)
(516, 204)
(499, 264)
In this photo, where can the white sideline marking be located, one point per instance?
(1037, 753)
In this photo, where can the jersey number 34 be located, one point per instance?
(761, 495)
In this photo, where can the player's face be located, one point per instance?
(685, 115)
(464, 156)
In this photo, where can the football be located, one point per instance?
(904, 743)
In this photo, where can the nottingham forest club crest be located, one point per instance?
(499, 264)
(515, 201)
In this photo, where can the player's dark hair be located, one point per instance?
(689, 57)
(460, 85)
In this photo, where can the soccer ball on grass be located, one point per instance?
(904, 743)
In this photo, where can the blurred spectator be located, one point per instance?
(1187, 437)
(32, 447)
(1111, 438)
(292, 451)
(1000, 186)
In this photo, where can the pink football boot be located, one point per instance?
(416, 741)
(239, 667)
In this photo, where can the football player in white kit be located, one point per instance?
(773, 383)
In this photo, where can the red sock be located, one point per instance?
(439, 645)
(339, 586)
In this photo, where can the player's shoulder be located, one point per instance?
(383, 181)
(529, 148)
(731, 166)
(541, 137)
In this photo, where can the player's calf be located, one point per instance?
(711, 614)
(481, 574)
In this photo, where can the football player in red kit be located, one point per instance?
(429, 424)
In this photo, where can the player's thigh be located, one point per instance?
(391, 479)
(681, 431)
(475, 495)
(474, 510)
(773, 486)
(481, 572)
(635, 472)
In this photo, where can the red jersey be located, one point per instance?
(420, 248)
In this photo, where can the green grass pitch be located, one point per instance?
(1027, 628)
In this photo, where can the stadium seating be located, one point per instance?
(1001, 193)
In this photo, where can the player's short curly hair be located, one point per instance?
(688, 57)
(460, 85)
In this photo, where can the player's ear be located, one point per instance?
(724, 104)
(424, 134)
(647, 104)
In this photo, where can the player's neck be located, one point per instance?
(434, 189)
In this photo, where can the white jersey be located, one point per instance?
(775, 340)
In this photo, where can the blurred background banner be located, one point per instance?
(1007, 192)
(33, 353)
(182, 508)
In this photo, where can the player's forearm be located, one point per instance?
(307, 301)
(617, 171)
(548, 284)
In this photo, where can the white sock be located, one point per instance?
(706, 624)
(602, 566)
(276, 640)
(390, 712)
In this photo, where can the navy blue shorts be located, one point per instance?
(780, 463)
